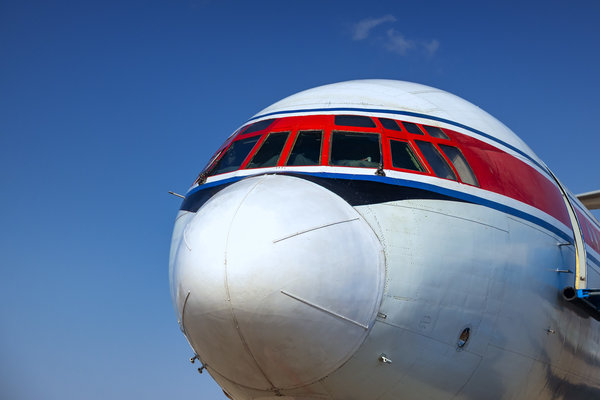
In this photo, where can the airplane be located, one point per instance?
(380, 239)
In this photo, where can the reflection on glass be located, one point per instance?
(404, 157)
(307, 149)
(234, 156)
(352, 149)
(460, 164)
(436, 132)
(412, 128)
(434, 158)
(269, 152)
(354, 120)
(390, 124)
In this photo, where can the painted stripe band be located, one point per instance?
(408, 114)
(212, 187)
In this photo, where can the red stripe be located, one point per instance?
(496, 170)
(502, 173)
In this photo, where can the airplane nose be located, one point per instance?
(277, 282)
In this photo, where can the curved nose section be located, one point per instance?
(277, 282)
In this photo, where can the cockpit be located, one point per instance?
(352, 141)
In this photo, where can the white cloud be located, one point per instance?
(431, 47)
(362, 29)
(393, 41)
(397, 43)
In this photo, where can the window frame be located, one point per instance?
(251, 128)
(424, 127)
(225, 149)
(398, 123)
(419, 128)
(324, 125)
(372, 119)
(296, 134)
(439, 146)
(444, 158)
(260, 144)
(426, 168)
(330, 147)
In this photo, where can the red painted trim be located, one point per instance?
(496, 170)
(591, 233)
(502, 173)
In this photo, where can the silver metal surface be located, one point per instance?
(449, 265)
(281, 295)
(294, 294)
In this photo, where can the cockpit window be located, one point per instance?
(269, 152)
(353, 149)
(354, 120)
(404, 157)
(258, 126)
(390, 124)
(460, 164)
(436, 161)
(307, 149)
(412, 128)
(234, 156)
(436, 132)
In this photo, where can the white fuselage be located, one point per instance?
(293, 283)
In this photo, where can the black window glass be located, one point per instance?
(390, 124)
(352, 149)
(434, 158)
(460, 163)
(354, 120)
(412, 128)
(234, 156)
(258, 126)
(307, 149)
(269, 152)
(436, 132)
(404, 157)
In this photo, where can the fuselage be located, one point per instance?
(385, 240)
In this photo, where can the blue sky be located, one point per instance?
(106, 105)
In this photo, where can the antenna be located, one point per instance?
(177, 194)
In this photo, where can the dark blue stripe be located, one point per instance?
(410, 114)
(451, 193)
(594, 259)
(215, 183)
(420, 185)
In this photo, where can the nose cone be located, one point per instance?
(277, 282)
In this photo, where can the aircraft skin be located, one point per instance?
(433, 268)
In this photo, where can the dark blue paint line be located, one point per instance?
(418, 185)
(592, 258)
(451, 193)
(213, 184)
